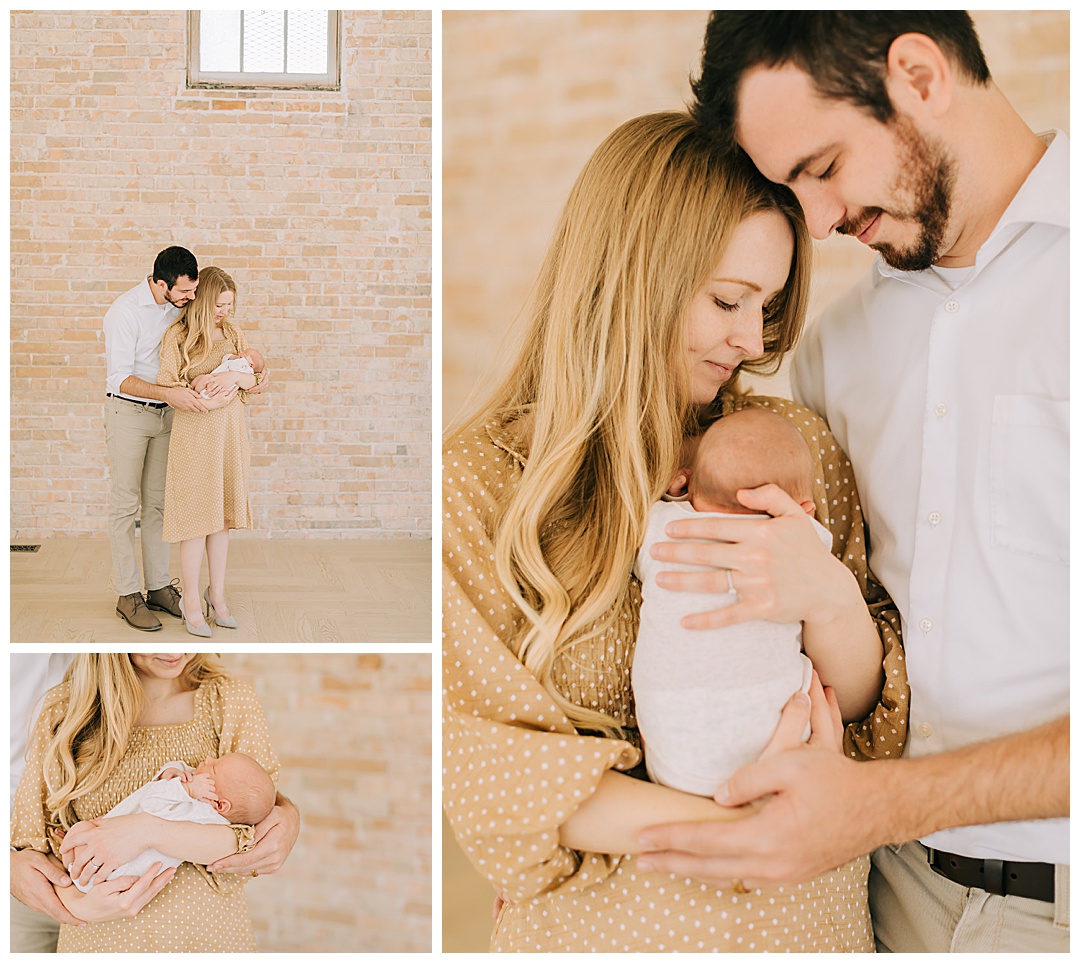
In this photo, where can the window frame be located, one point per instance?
(198, 79)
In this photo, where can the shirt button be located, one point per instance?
(934, 518)
(952, 306)
(926, 625)
(926, 729)
(941, 410)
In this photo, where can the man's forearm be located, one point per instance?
(133, 385)
(1012, 778)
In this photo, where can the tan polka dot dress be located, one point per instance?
(515, 768)
(197, 912)
(206, 481)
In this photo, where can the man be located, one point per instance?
(36, 912)
(945, 377)
(138, 420)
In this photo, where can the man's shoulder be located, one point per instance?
(127, 302)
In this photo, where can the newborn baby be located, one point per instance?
(231, 362)
(708, 701)
(231, 789)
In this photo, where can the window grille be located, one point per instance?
(264, 48)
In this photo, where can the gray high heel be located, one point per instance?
(202, 631)
(225, 621)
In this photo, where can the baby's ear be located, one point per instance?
(808, 507)
(223, 806)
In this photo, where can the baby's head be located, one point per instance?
(244, 789)
(746, 449)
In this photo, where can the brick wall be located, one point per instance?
(353, 733)
(527, 97)
(318, 204)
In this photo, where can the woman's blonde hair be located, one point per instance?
(197, 317)
(88, 741)
(601, 387)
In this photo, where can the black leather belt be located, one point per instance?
(156, 405)
(998, 876)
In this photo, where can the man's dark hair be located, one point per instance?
(173, 263)
(845, 54)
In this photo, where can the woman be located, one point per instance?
(672, 268)
(206, 485)
(104, 732)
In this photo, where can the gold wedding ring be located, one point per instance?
(254, 873)
(737, 886)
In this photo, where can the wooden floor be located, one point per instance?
(279, 590)
(466, 900)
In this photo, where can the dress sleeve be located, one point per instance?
(169, 369)
(883, 733)
(240, 723)
(30, 826)
(515, 768)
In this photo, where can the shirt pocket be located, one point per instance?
(1029, 476)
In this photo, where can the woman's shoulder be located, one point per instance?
(55, 700)
(478, 451)
(809, 423)
(234, 333)
(175, 331)
(227, 692)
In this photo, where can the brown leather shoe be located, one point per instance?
(165, 599)
(132, 609)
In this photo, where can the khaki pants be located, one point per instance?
(31, 931)
(917, 911)
(138, 443)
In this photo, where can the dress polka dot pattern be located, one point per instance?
(515, 768)
(206, 481)
(198, 912)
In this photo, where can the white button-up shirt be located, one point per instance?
(952, 401)
(31, 677)
(134, 327)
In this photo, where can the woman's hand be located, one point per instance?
(275, 837)
(119, 898)
(92, 849)
(778, 565)
(202, 382)
(220, 400)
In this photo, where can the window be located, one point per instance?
(263, 48)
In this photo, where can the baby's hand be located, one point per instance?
(172, 774)
(201, 786)
(680, 483)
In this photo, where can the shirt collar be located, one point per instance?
(1043, 198)
(1044, 195)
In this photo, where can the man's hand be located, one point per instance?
(816, 811)
(275, 837)
(780, 569)
(92, 849)
(33, 876)
(119, 898)
(184, 399)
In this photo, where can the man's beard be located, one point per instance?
(927, 176)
